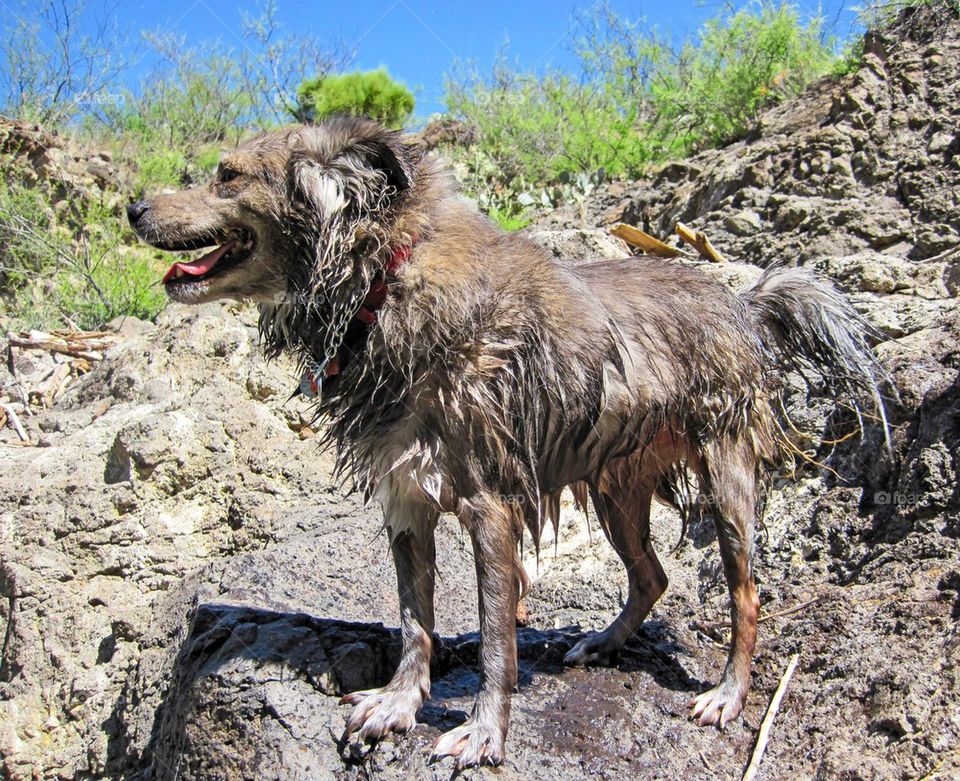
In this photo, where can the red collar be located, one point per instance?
(367, 314)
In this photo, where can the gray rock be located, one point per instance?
(576, 245)
(745, 223)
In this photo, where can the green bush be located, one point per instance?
(69, 267)
(636, 101)
(741, 64)
(885, 13)
(164, 168)
(207, 159)
(371, 94)
(201, 99)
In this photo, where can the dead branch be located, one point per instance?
(763, 735)
(52, 385)
(638, 238)
(942, 256)
(699, 241)
(77, 344)
(790, 610)
(15, 422)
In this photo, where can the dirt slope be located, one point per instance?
(185, 594)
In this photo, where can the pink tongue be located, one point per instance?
(200, 267)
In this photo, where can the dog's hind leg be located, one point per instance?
(492, 524)
(729, 476)
(393, 708)
(622, 499)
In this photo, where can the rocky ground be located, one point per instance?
(185, 593)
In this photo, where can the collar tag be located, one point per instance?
(312, 379)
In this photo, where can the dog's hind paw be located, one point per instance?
(380, 711)
(719, 705)
(595, 649)
(473, 743)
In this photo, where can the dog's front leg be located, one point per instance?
(480, 739)
(394, 707)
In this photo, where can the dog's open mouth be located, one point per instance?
(234, 248)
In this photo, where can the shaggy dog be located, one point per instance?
(465, 370)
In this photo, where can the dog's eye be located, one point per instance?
(228, 175)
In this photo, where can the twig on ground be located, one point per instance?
(638, 238)
(767, 616)
(763, 735)
(12, 368)
(75, 343)
(706, 764)
(942, 255)
(699, 241)
(15, 422)
(790, 610)
(52, 385)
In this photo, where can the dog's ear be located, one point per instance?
(311, 184)
(394, 158)
(374, 165)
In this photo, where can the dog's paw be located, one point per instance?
(380, 711)
(719, 705)
(473, 743)
(595, 649)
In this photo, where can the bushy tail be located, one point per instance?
(812, 328)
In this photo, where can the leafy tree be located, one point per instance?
(372, 93)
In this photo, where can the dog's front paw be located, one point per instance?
(379, 711)
(472, 743)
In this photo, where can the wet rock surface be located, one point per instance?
(185, 593)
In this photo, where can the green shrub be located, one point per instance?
(885, 13)
(207, 159)
(201, 99)
(28, 243)
(509, 219)
(636, 101)
(116, 284)
(371, 94)
(69, 267)
(741, 64)
(164, 168)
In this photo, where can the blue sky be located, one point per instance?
(420, 40)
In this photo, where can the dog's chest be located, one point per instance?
(411, 482)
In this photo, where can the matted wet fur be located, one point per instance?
(495, 375)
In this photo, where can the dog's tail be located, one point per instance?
(809, 326)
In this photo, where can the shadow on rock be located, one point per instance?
(254, 692)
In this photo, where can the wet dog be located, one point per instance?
(460, 367)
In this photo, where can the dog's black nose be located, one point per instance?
(136, 210)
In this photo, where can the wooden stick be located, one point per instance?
(77, 344)
(699, 241)
(706, 764)
(790, 610)
(15, 422)
(52, 385)
(764, 733)
(767, 616)
(942, 255)
(638, 238)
